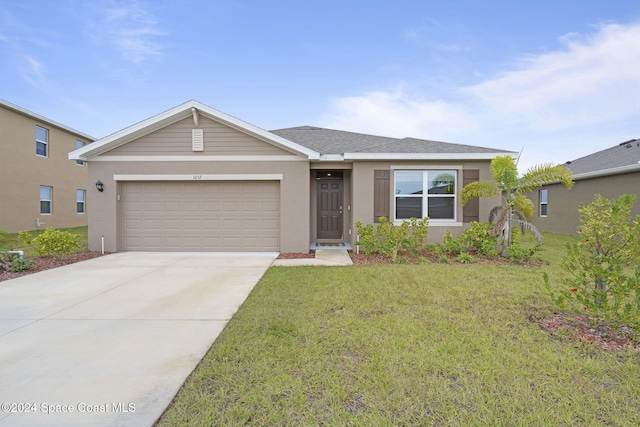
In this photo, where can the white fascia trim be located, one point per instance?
(201, 177)
(425, 156)
(45, 120)
(178, 113)
(189, 158)
(605, 172)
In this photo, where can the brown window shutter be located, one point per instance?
(471, 211)
(381, 191)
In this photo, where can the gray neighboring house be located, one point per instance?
(196, 179)
(610, 173)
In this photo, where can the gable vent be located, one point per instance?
(197, 139)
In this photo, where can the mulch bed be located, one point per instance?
(586, 330)
(48, 262)
(293, 255)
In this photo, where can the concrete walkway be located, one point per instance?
(110, 341)
(331, 257)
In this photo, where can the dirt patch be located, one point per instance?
(48, 262)
(584, 329)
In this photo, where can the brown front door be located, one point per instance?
(330, 209)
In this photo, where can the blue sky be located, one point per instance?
(559, 78)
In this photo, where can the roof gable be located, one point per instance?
(188, 109)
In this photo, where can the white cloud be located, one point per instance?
(560, 105)
(33, 71)
(128, 26)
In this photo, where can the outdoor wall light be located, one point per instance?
(99, 186)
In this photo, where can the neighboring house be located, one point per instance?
(39, 186)
(610, 173)
(196, 179)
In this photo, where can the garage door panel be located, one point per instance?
(201, 216)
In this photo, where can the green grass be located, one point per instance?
(10, 241)
(392, 345)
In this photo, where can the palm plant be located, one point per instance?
(516, 209)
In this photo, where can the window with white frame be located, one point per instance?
(543, 202)
(80, 199)
(46, 194)
(79, 144)
(42, 141)
(429, 193)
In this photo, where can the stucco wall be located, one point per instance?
(562, 204)
(22, 172)
(362, 190)
(106, 217)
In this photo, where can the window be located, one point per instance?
(80, 197)
(45, 199)
(543, 202)
(42, 141)
(419, 194)
(79, 144)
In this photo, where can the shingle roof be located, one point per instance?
(624, 154)
(329, 141)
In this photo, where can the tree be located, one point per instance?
(604, 266)
(516, 209)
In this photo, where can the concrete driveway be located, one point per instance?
(109, 341)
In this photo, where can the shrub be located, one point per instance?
(604, 266)
(12, 262)
(449, 245)
(52, 242)
(516, 252)
(466, 258)
(366, 238)
(479, 237)
(388, 238)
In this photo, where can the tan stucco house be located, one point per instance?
(39, 185)
(610, 173)
(195, 179)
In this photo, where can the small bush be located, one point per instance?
(516, 252)
(480, 238)
(52, 242)
(466, 258)
(449, 245)
(13, 263)
(366, 238)
(388, 238)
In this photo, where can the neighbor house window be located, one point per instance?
(45, 199)
(79, 144)
(420, 194)
(80, 197)
(42, 141)
(543, 202)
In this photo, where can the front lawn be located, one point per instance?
(389, 345)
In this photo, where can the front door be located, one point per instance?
(329, 209)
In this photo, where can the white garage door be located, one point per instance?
(201, 216)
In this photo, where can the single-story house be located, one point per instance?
(196, 179)
(39, 186)
(610, 173)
